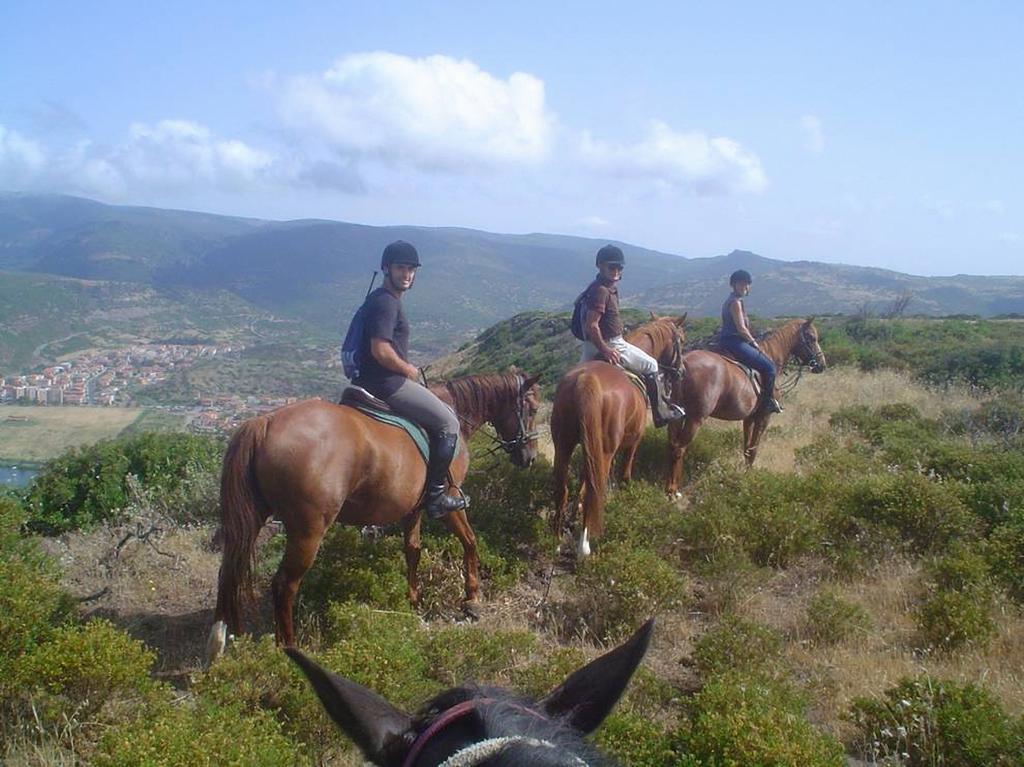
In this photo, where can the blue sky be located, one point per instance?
(881, 134)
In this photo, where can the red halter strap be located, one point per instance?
(450, 715)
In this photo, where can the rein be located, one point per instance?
(522, 435)
(476, 753)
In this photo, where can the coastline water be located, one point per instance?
(17, 476)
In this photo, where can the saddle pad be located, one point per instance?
(637, 381)
(419, 436)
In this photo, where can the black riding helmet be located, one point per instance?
(741, 275)
(399, 252)
(611, 254)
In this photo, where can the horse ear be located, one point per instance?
(589, 694)
(529, 382)
(653, 315)
(681, 321)
(810, 320)
(381, 731)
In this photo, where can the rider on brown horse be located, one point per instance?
(740, 342)
(603, 329)
(386, 373)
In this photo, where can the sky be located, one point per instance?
(869, 133)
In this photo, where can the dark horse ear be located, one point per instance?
(680, 321)
(381, 731)
(529, 382)
(591, 692)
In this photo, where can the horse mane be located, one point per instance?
(476, 398)
(779, 339)
(510, 715)
(659, 331)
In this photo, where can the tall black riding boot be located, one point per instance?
(662, 410)
(442, 451)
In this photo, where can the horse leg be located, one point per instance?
(560, 479)
(680, 435)
(628, 457)
(758, 426)
(299, 553)
(411, 527)
(458, 524)
(748, 449)
(593, 504)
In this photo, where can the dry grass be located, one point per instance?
(46, 432)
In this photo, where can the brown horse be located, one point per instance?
(714, 387)
(313, 463)
(597, 406)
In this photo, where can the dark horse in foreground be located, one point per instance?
(476, 726)
(314, 463)
(597, 406)
(715, 387)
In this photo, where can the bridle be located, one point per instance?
(813, 360)
(674, 369)
(477, 753)
(523, 437)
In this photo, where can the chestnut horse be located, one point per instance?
(714, 387)
(597, 406)
(313, 463)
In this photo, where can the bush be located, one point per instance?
(637, 740)
(740, 646)
(739, 721)
(541, 677)
(621, 588)
(257, 677)
(470, 654)
(206, 735)
(831, 619)
(81, 668)
(89, 484)
(924, 721)
(709, 447)
(639, 515)
(948, 620)
(1006, 554)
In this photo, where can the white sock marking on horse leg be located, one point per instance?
(216, 641)
(583, 547)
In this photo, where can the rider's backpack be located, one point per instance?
(352, 347)
(579, 316)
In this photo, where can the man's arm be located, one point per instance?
(384, 352)
(593, 329)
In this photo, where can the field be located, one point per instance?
(36, 434)
(873, 554)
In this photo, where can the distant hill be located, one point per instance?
(316, 272)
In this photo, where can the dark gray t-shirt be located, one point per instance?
(383, 318)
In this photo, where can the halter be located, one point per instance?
(476, 753)
(522, 437)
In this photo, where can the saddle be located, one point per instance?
(636, 380)
(751, 374)
(358, 398)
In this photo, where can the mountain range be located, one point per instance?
(315, 272)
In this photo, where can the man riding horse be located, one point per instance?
(738, 341)
(386, 373)
(603, 330)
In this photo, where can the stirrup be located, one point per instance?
(771, 405)
(439, 505)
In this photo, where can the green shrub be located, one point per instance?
(620, 588)
(637, 740)
(727, 576)
(1006, 554)
(741, 646)
(742, 721)
(206, 735)
(542, 676)
(949, 620)
(471, 654)
(924, 721)
(256, 676)
(831, 619)
(773, 518)
(89, 484)
(639, 515)
(81, 668)
(381, 650)
(709, 447)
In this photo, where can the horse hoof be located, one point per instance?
(471, 610)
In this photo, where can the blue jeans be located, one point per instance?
(748, 355)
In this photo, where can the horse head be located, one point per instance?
(473, 725)
(808, 349)
(517, 428)
(663, 338)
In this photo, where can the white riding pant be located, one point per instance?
(633, 358)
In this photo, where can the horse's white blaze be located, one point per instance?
(216, 641)
(583, 547)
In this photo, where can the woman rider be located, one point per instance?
(740, 342)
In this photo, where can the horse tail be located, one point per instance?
(595, 478)
(242, 514)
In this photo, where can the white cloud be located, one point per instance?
(433, 113)
(1010, 237)
(814, 136)
(593, 222)
(710, 165)
(21, 160)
